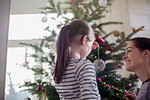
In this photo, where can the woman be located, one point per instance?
(137, 59)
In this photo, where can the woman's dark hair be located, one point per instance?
(65, 37)
(141, 43)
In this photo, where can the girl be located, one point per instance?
(137, 60)
(74, 75)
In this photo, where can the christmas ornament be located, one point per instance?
(44, 71)
(116, 88)
(25, 64)
(44, 19)
(128, 86)
(39, 87)
(108, 49)
(72, 1)
(26, 53)
(99, 65)
(107, 52)
(100, 39)
(27, 81)
(96, 31)
(107, 85)
(88, 16)
(95, 45)
(117, 79)
(82, 3)
(134, 29)
(116, 33)
(49, 1)
(102, 2)
(27, 98)
(38, 77)
(112, 87)
(122, 64)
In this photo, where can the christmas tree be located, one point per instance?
(44, 56)
(107, 58)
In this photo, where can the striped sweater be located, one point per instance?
(78, 81)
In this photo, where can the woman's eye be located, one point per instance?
(129, 51)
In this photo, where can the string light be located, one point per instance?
(107, 85)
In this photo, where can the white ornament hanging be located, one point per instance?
(99, 65)
(102, 2)
(44, 19)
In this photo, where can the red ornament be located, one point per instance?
(124, 92)
(72, 1)
(107, 85)
(99, 80)
(133, 29)
(100, 39)
(106, 47)
(116, 88)
(95, 45)
(122, 64)
(110, 49)
(82, 3)
(96, 31)
(39, 87)
(25, 64)
(112, 87)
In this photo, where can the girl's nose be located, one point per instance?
(95, 45)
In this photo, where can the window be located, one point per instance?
(27, 28)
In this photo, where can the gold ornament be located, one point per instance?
(49, 1)
(95, 57)
(88, 16)
(44, 71)
(116, 33)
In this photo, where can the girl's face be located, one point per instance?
(133, 57)
(89, 45)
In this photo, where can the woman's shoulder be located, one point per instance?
(144, 92)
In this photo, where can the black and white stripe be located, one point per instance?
(78, 81)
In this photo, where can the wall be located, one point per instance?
(4, 20)
(27, 6)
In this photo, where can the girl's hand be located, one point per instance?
(130, 95)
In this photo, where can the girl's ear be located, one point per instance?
(84, 40)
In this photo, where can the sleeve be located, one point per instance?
(148, 91)
(86, 75)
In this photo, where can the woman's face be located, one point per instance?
(133, 57)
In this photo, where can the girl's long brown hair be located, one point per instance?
(65, 37)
